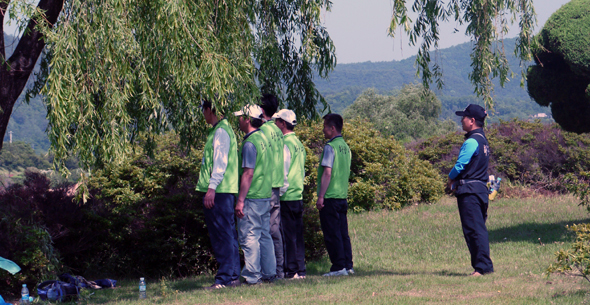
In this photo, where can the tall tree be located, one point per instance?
(15, 70)
(487, 22)
(561, 77)
(118, 68)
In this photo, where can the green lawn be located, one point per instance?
(415, 256)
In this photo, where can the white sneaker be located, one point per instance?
(350, 271)
(337, 273)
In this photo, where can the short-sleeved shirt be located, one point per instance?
(328, 159)
(249, 155)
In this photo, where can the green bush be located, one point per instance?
(383, 173)
(575, 261)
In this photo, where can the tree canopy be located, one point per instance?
(114, 69)
(561, 77)
(407, 115)
(487, 22)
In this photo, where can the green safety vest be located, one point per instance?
(338, 188)
(229, 184)
(261, 181)
(275, 138)
(296, 173)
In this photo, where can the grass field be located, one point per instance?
(414, 256)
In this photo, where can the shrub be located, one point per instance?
(531, 153)
(383, 173)
(31, 226)
(576, 260)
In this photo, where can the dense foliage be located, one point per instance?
(148, 65)
(384, 175)
(407, 115)
(541, 156)
(561, 77)
(37, 223)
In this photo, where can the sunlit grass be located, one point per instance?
(414, 256)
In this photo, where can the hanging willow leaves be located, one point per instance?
(487, 23)
(119, 68)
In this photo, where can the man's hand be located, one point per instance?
(240, 209)
(450, 184)
(209, 200)
(320, 203)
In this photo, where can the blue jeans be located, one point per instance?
(256, 242)
(224, 238)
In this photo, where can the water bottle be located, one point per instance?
(24, 295)
(494, 189)
(142, 294)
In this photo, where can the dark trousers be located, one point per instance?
(276, 231)
(292, 225)
(473, 209)
(335, 229)
(224, 238)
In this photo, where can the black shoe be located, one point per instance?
(270, 279)
(234, 283)
(214, 287)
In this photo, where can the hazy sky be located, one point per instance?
(359, 30)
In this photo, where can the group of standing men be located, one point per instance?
(262, 184)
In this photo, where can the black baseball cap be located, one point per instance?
(473, 111)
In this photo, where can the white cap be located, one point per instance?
(286, 115)
(253, 111)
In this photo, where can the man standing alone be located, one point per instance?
(292, 196)
(333, 174)
(468, 178)
(269, 105)
(253, 206)
(218, 178)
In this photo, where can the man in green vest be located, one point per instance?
(292, 196)
(253, 206)
(333, 174)
(218, 178)
(269, 105)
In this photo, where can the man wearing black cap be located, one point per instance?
(468, 179)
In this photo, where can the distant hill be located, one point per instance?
(28, 121)
(347, 81)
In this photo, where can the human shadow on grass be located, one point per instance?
(361, 273)
(534, 232)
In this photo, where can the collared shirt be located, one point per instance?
(328, 159)
(286, 165)
(249, 153)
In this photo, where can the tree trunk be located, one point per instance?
(15, 71)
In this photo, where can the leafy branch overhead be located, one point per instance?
(487, 22)
(120, 68)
